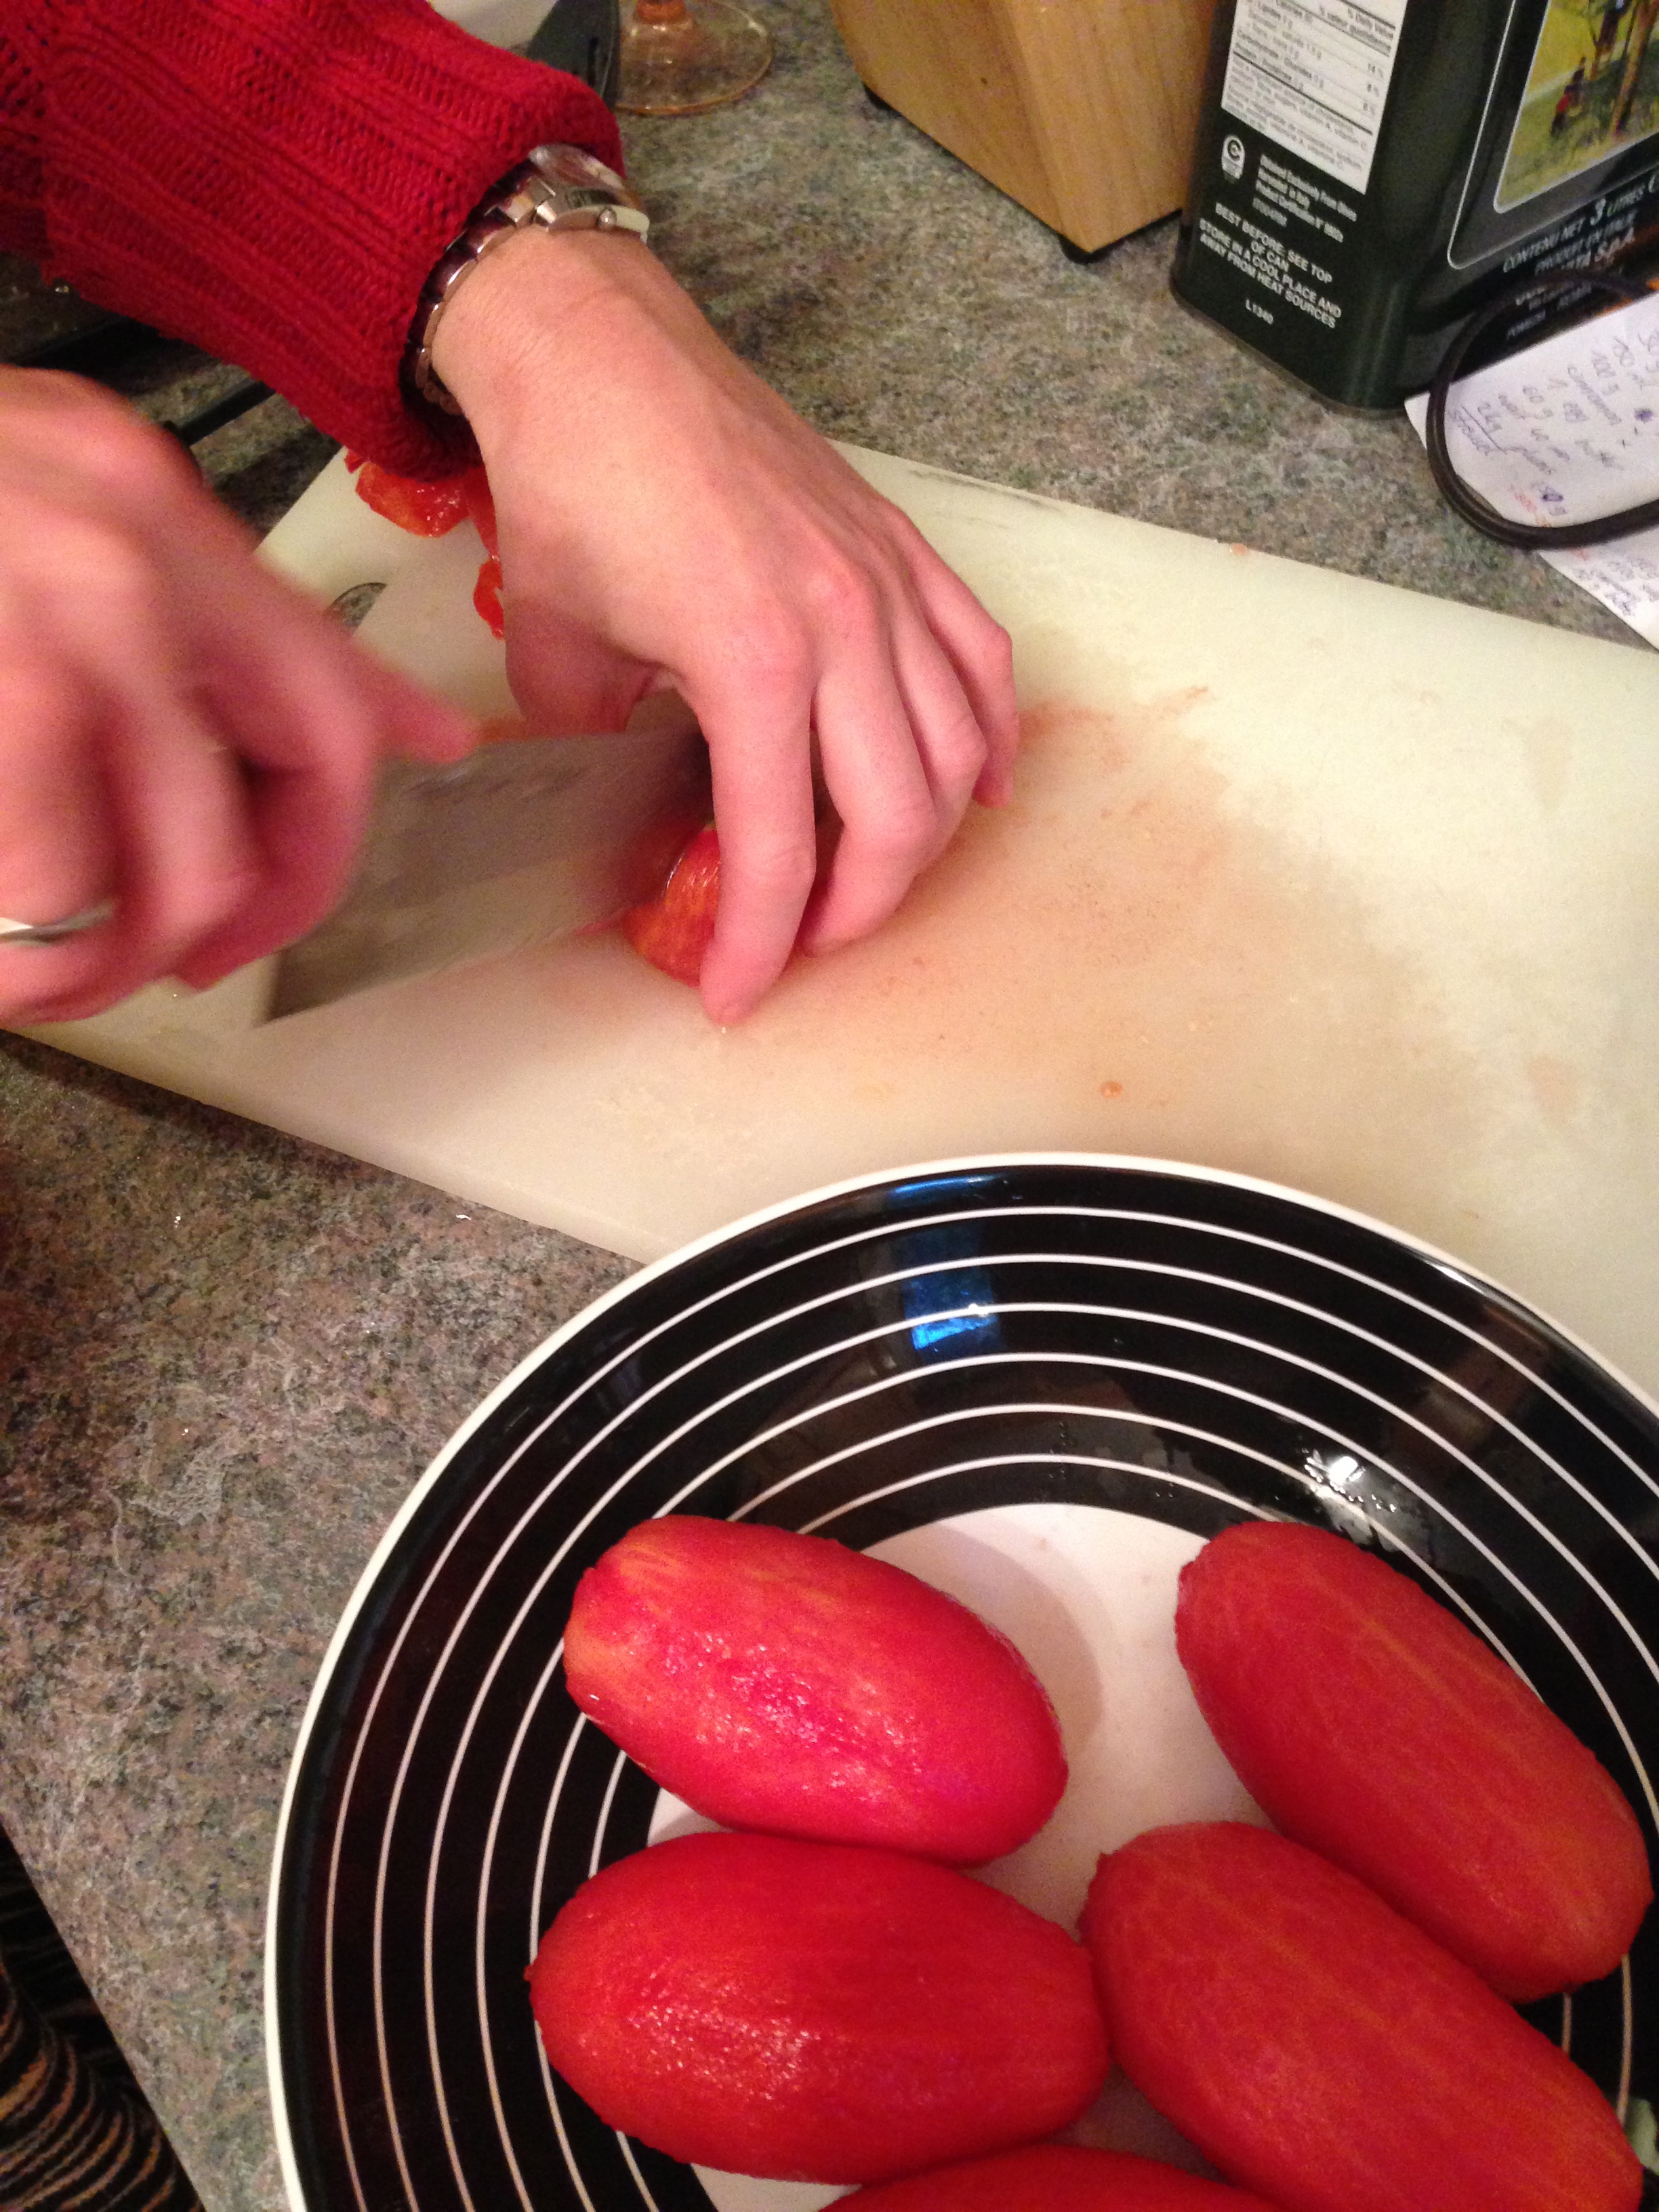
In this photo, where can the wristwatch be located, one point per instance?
(561, 188)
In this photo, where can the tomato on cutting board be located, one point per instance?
(487, 594)
(815, 2012)
(784, 1682)
(425, 510)
(1370, 1723)
(674, 930)
(1321, 2050)
(432, 510)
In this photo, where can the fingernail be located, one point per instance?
(194, 976)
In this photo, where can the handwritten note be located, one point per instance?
(1567, 431)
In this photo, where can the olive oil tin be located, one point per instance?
(1368, 176)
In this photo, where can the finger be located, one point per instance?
(288, 681)
(981, 653)
(949, 742)
(56, 850)
(304, 845)
(248, 623)
(760, 749)
(188, 861)
(54, 839)
(311, 716)
(415, 725)
(892, 821)
(170, 855)
(184, 860)
(568, 680)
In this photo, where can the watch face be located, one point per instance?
(567, 166)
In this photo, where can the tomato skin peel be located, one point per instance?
(487, 595)
(1323, 2051)
(1057, 2177)
(786, 1683)
(432, 510)
(425, 510)
(813, 2012)
(1372, 1725)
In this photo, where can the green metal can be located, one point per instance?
(1368, 176)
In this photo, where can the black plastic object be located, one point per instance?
(91, 349)
(1462, 497)
(584, 38)
(205, 421)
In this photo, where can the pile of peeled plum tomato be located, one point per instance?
(820, 1992)
(672, 930)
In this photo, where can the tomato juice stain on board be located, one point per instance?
(1129, 920)
(1138, 915)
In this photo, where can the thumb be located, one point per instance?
(568, 681)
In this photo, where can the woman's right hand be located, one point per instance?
(181, 733)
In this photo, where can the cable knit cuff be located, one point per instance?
(275, 179)
(22, 117)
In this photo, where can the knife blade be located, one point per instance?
(527, 839)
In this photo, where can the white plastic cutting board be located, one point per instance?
(1308, 878)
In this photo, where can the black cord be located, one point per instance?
(1462, 497)
(205, 421)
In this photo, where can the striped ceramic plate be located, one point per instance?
(1041, 1383)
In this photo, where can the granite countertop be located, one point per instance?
(224, 1355)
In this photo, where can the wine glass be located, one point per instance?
(680, 56)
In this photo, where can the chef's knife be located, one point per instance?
(525, 840)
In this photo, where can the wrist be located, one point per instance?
(542, 319)
(556, 190)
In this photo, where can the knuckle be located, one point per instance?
(38, 700)
(105, 441)
(132, 462)
(844, 597)
(959, 751)
(998, 649)
(771, 652)
(215, 892)
(104, 567)
(86, 437)
(776, 868)
(903, 830)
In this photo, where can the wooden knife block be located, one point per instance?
(1083, 111)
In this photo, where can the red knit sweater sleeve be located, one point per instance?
(271, 179)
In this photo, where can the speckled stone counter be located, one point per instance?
(224, 1356)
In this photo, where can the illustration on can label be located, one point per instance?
(1580, 108)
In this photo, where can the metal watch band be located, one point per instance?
(560, 188)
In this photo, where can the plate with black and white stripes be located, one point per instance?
(1041, 1383)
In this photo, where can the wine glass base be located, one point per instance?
(690, 56)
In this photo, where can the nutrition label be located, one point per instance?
(1313, 77)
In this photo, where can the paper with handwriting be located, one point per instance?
(1566, 431)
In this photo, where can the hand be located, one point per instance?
(666, 520)
(180, 731)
